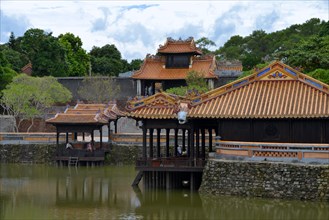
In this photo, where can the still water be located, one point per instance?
(46, 192)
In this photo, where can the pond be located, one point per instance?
(47, 192)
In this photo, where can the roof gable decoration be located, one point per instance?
(157, 100)
(275, 71)
(179, 46)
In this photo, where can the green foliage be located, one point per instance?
(47, 55)
(321, 75)
(135, 64)
(27, 97)
(15, 59)
(6, 76)
(260, 47)
(195, 78)
(77, 58)
(196, 84)
(204, 44)
(106, 61)
(98, 89)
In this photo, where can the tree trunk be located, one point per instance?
(32, 123)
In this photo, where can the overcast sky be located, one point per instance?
(138, 27)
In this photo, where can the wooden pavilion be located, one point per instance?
(276, 104)
(171, 65)
(84, 119)
(269, 114)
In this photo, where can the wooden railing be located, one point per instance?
(277, 150)
(176, 162)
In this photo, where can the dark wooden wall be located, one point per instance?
(276, 130)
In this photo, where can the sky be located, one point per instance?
(137, 28)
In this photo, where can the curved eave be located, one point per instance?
(258, 117)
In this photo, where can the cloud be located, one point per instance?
(100, 24)
(188, 30)
(140, 7)
(16, 24)
(266, 22)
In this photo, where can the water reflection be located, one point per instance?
(229, 207)
(44, 192)
(161, 204)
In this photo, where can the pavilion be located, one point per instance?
(276, 112)
(84, 119)
(169, 68)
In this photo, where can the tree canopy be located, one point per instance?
(98, 89)
(27, 97)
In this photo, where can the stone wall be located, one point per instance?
(45, 154)
(266, 179)
(7, 123)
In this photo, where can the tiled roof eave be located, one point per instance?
(198, 116)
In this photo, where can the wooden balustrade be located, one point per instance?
(275, 150)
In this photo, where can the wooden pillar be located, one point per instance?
(151, 142)
(92, 136)
(188, 143)
(101, 137)
(75, 136)
(67, 137)
(158, 142)
(167, 141)
(176, 141)
(191, 146)
(183, 140)
(83, 136)
(57, 138)
(108, 132)
(203, 143)
(116, 126)
(197, 143)
(210, 139)
(144, 142)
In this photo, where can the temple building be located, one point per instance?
(169, 68)
(276, 113)
(84, 120)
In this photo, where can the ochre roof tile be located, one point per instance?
(88, 114)
(277, 91)
(154, 68)
(179, 46)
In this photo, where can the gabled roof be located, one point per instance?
(88, 114)
(158, 106)
(179, 46)
(276, 91)
(154, 68)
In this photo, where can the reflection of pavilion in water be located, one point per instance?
(164, 204)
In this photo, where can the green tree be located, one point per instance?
(135, 64)
(106, 61)
(16, 60)
(196, 84)
(309, 54)
(6, 73)
(27, 97)
(77, 58)
(98, 89)
(321, 75)
(46, 54)
(204, 44)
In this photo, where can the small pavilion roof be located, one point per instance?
(276, 91)
(179, 46)
(158, 106)
(154, 68)
(88, 114)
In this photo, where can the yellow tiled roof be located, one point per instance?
(277, 91)
(88, 114)
(179, 46)
(154, 68)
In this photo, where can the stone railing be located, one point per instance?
(298, 151)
